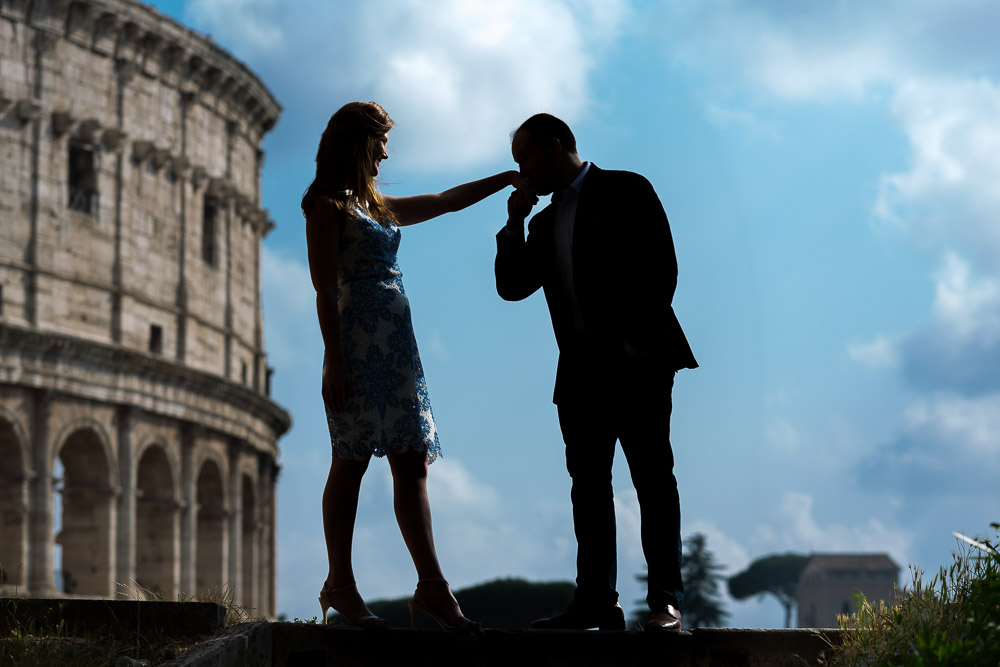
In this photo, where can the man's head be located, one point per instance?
(545, 150)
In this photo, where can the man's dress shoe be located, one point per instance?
(578, 618)
(668, 618)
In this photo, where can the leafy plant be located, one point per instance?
(952, 620)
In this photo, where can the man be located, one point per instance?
(603, 254)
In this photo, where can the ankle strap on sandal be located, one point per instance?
(340, 589)
(435, 580)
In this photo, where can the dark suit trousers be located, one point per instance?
(638, 416)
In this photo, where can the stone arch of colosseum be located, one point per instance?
(87, 491)
(157, 519)
(212, 542)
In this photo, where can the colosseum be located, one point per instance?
(138, 442)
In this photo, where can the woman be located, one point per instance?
(373, 384)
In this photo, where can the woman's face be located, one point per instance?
(379, 151)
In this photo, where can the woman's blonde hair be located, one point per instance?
(346, 159)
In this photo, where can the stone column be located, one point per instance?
(125, 71)
(40, 578)
(43, 44)
(268, 545)
(125, 542)
(259, 360)
(189, 512)
(111, 520)
(235, 578)
(227, 257)
(187, 99)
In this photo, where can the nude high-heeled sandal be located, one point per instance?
(326, 602)
(418, 604)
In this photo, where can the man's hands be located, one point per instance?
(519, 205)
(336, 384)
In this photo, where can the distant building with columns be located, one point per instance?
(138, 442)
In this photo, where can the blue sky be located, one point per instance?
(830, 174)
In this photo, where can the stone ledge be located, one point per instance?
(303, 644)
(244, 645)
(113, 617)
(264, 644)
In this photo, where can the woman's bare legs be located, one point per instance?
(413, 514)
(340, 509)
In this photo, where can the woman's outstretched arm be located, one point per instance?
(411, 210)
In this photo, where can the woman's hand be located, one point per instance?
(518, 181)
(336, 384)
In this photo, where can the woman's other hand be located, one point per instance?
(336, 384)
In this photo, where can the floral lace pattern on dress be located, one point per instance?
(389, 408)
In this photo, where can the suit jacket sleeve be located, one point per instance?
(519, 274)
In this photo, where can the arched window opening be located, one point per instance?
(82, 517)
(156, 526)
(211, 530)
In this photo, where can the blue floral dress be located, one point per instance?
(389, 409)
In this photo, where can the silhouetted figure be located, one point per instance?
(373, 384)
(603, 254)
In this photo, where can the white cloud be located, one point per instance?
(966, 307)
(629, 535)
(949, 195)
(949, 429)
(797, 529)
(882, 352)
(452, 486)
(250, 24)
(829, 51)
(456, 75)
(820, 51)
(959, 348)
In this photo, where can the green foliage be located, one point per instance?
(776, 575)
(307, 621)
(954, 620)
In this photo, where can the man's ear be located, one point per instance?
(555, 146)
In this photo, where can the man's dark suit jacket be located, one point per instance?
(624, 274)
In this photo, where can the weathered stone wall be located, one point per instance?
(131, 343)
